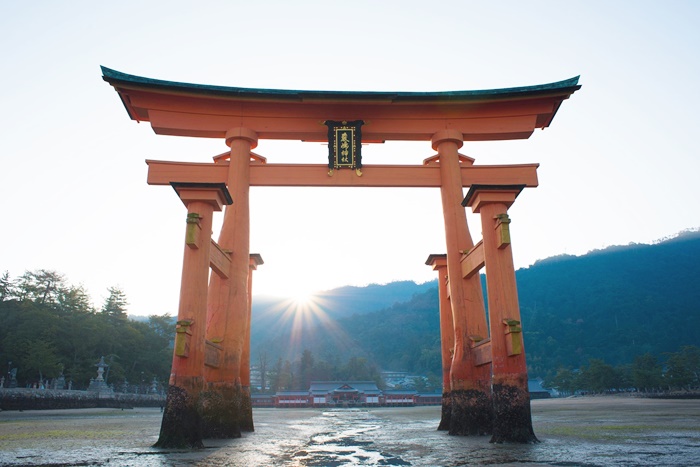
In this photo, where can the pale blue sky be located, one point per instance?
(619, 164)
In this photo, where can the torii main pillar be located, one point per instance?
(228, 307)
(469, 384)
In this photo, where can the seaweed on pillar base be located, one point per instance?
(472, 413)
(221, 406)
(446, 411)
(512, 415)
(182, 424)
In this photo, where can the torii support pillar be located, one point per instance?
(511, 399)
(181, 425)
(227, 314)
(247, 407)
(447, 337)
(469, 383)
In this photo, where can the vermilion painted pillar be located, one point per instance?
(470, 385)
(511, 399)
(228, 298)
(181, 425)
(447, 337)
(247, 417)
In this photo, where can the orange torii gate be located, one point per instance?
(485, 378)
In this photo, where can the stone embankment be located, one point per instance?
(43, 399)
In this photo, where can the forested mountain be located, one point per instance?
(614, 304)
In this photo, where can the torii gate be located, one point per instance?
(486, 377)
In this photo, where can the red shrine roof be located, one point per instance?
(185, 109)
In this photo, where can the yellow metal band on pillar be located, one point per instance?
(514, 337)
(183, 334)
(502, 230)
(193, 230)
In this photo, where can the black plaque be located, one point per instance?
(344, 144)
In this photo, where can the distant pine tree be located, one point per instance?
(115, 304)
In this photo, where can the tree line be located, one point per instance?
(51, 328)
(679, 371)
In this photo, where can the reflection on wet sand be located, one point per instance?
(592, 431)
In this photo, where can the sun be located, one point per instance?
(302, 299)
(303, 314)
(302, 305)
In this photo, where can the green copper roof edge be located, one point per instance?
(112, 76)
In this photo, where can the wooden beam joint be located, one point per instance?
(219, 260)
(482, 352)
(473, 260)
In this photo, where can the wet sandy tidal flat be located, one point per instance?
(590, 431)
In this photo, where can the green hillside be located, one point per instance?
(613, 304)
